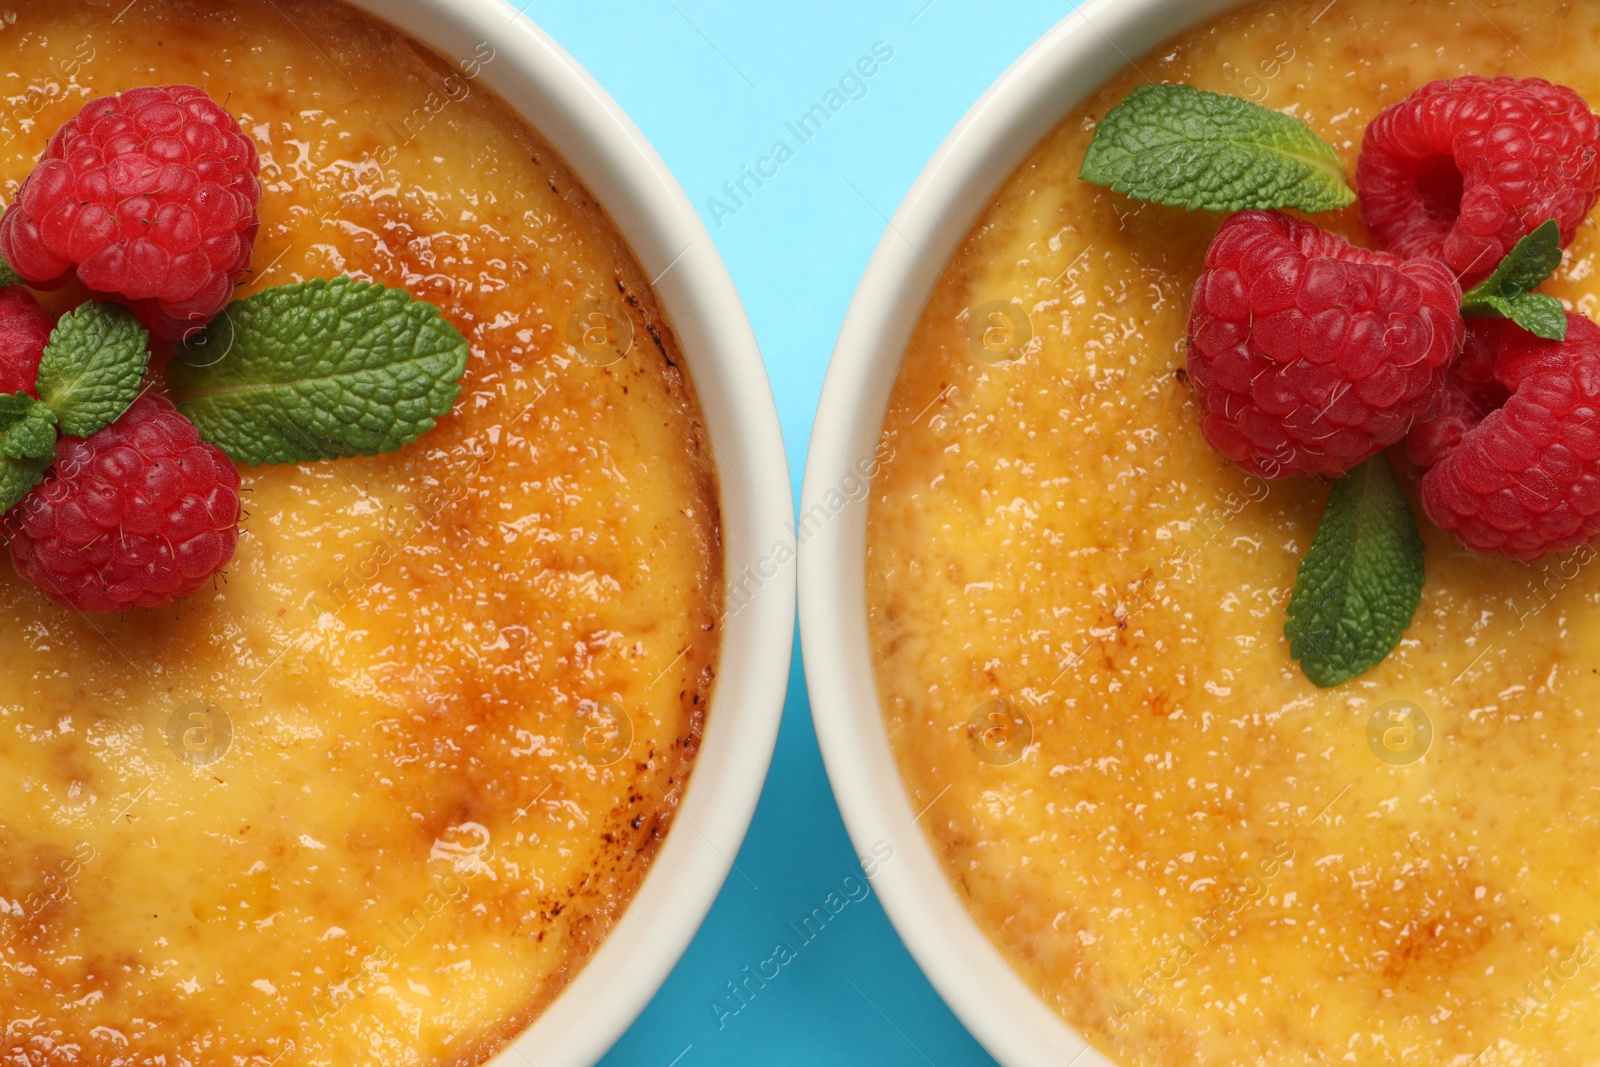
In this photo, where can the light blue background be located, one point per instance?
(712, 83)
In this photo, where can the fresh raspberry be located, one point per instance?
(149, 196)
(136, 516)
(1310, 355)
(24, 331)
(1463, 169)
(1470, 392)
(1524, 480)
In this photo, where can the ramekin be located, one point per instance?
(1092, 43)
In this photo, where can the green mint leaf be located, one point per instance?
(1541, 315)
(1361, 580)
(27, 428)
(1530, 261)
(18, 476)
(1508, 292)
(319, 369)
(1178, 145)
(92, 367)
(27, 445)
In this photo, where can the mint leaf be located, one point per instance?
(92, 367)
(27, 445)
(1541, 315)
(27, 428)
(1361, 580)
(1530, 261)
(1175, 144)
(319, 369)
(18, 476)
(1508, 292)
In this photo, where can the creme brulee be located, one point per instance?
(377, 796)
(1192, 853)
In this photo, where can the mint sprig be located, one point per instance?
(27, 445)
(319, 369)
(27, 427)
(1361, 581)
(18, 477)
(1508, 292)
(1178, 145)
(92, 367)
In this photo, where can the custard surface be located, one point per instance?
(1194, 855)
(377, 796)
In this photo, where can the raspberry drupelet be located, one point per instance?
(1462, 169)
(24, 331)
(149, 196)
(138, 515)
(1470, 392)
(1523, 477)
(1310, 355)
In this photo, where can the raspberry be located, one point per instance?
(1310, 355)
(24, 330)
(1524, 479)
(1462, 169)
(1470, 392)
(136, 516)
(148, 196)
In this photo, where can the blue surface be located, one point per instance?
(713, 84)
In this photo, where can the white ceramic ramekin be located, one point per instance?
(1028, 100)
(546, 86)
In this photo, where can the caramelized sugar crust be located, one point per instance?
(1191, 853)
(455, 691)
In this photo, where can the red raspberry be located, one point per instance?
(1310, 355)
(136, 516)
(24, 331)
(149, 196)
(1525, 478)
(1463, 169)
(1470, 392)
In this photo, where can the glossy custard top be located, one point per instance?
(1190, 852)
(377, 796)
